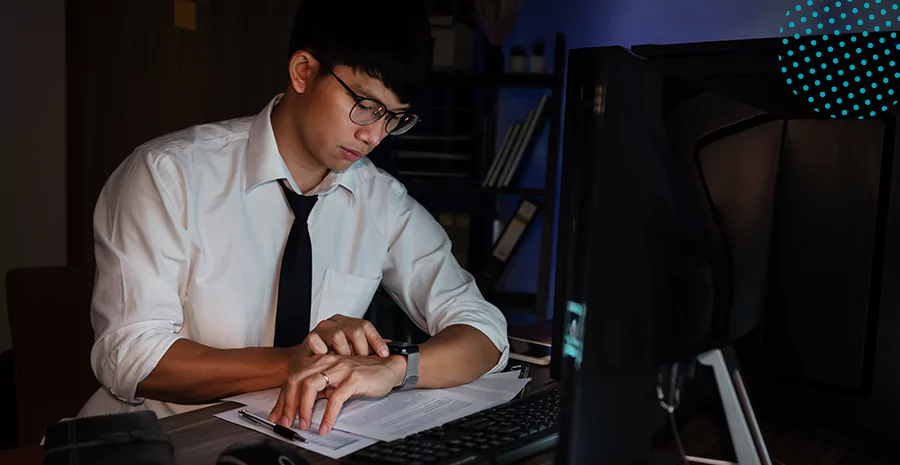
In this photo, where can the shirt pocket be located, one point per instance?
(345, 294)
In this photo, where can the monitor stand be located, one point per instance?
(749, 446)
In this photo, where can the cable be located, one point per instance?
(671, 404)
(677, 435)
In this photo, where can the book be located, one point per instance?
(527, 139)
(507, 244)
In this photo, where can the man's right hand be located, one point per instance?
(346, 336)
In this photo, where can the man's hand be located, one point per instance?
(347, 336)
(337, 378)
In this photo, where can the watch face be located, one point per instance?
(399, 347)
(400, 344)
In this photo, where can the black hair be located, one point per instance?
(388, 40)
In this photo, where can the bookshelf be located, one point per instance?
(445, 161)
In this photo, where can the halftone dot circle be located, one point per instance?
(844, 112)
(883, 108)
(872, 113)
(859, 72)
(840, 101)
(890, 91)
(879, 97)
(811, 99)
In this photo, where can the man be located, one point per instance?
(205, 258)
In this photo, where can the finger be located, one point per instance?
(358, 340)
(316, 387)
(275, 414)
(334, 406)
(316, 345)
(291, 393)
(375, 340)
(309, 391)
(339, 343)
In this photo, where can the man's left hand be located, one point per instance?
(337, 378)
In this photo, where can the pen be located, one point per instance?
(278, 429)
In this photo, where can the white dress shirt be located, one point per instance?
(189, 232)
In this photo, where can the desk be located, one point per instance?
(199, 437)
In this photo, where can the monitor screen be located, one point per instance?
(700, 198)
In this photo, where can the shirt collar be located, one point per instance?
(264, 162)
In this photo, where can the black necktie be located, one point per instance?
(295, 283)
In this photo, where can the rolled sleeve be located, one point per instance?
(424, 277)
(142, 257)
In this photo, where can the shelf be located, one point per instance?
(461, 188)
(513, 80)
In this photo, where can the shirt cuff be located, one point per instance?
(126, 361)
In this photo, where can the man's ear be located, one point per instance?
(302, 69)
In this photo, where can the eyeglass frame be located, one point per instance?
(359, 99)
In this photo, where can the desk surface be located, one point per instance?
(199, 437)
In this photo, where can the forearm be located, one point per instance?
(190, 372)
(457, 355)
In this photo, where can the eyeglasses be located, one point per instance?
(367, 111)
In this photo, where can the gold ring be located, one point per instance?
(327, 381)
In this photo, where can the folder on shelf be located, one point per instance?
(507, 243)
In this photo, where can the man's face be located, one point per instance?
(329, 133)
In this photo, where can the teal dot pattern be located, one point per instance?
(837, 58)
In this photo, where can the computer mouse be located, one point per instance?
(260, 452)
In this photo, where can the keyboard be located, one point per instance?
(499, 435)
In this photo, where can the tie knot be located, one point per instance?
(301, 205)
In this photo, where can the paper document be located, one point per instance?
(334, 445)
(403, 413)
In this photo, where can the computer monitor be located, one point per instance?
(682, 166)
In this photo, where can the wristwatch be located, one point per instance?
(411, 352)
